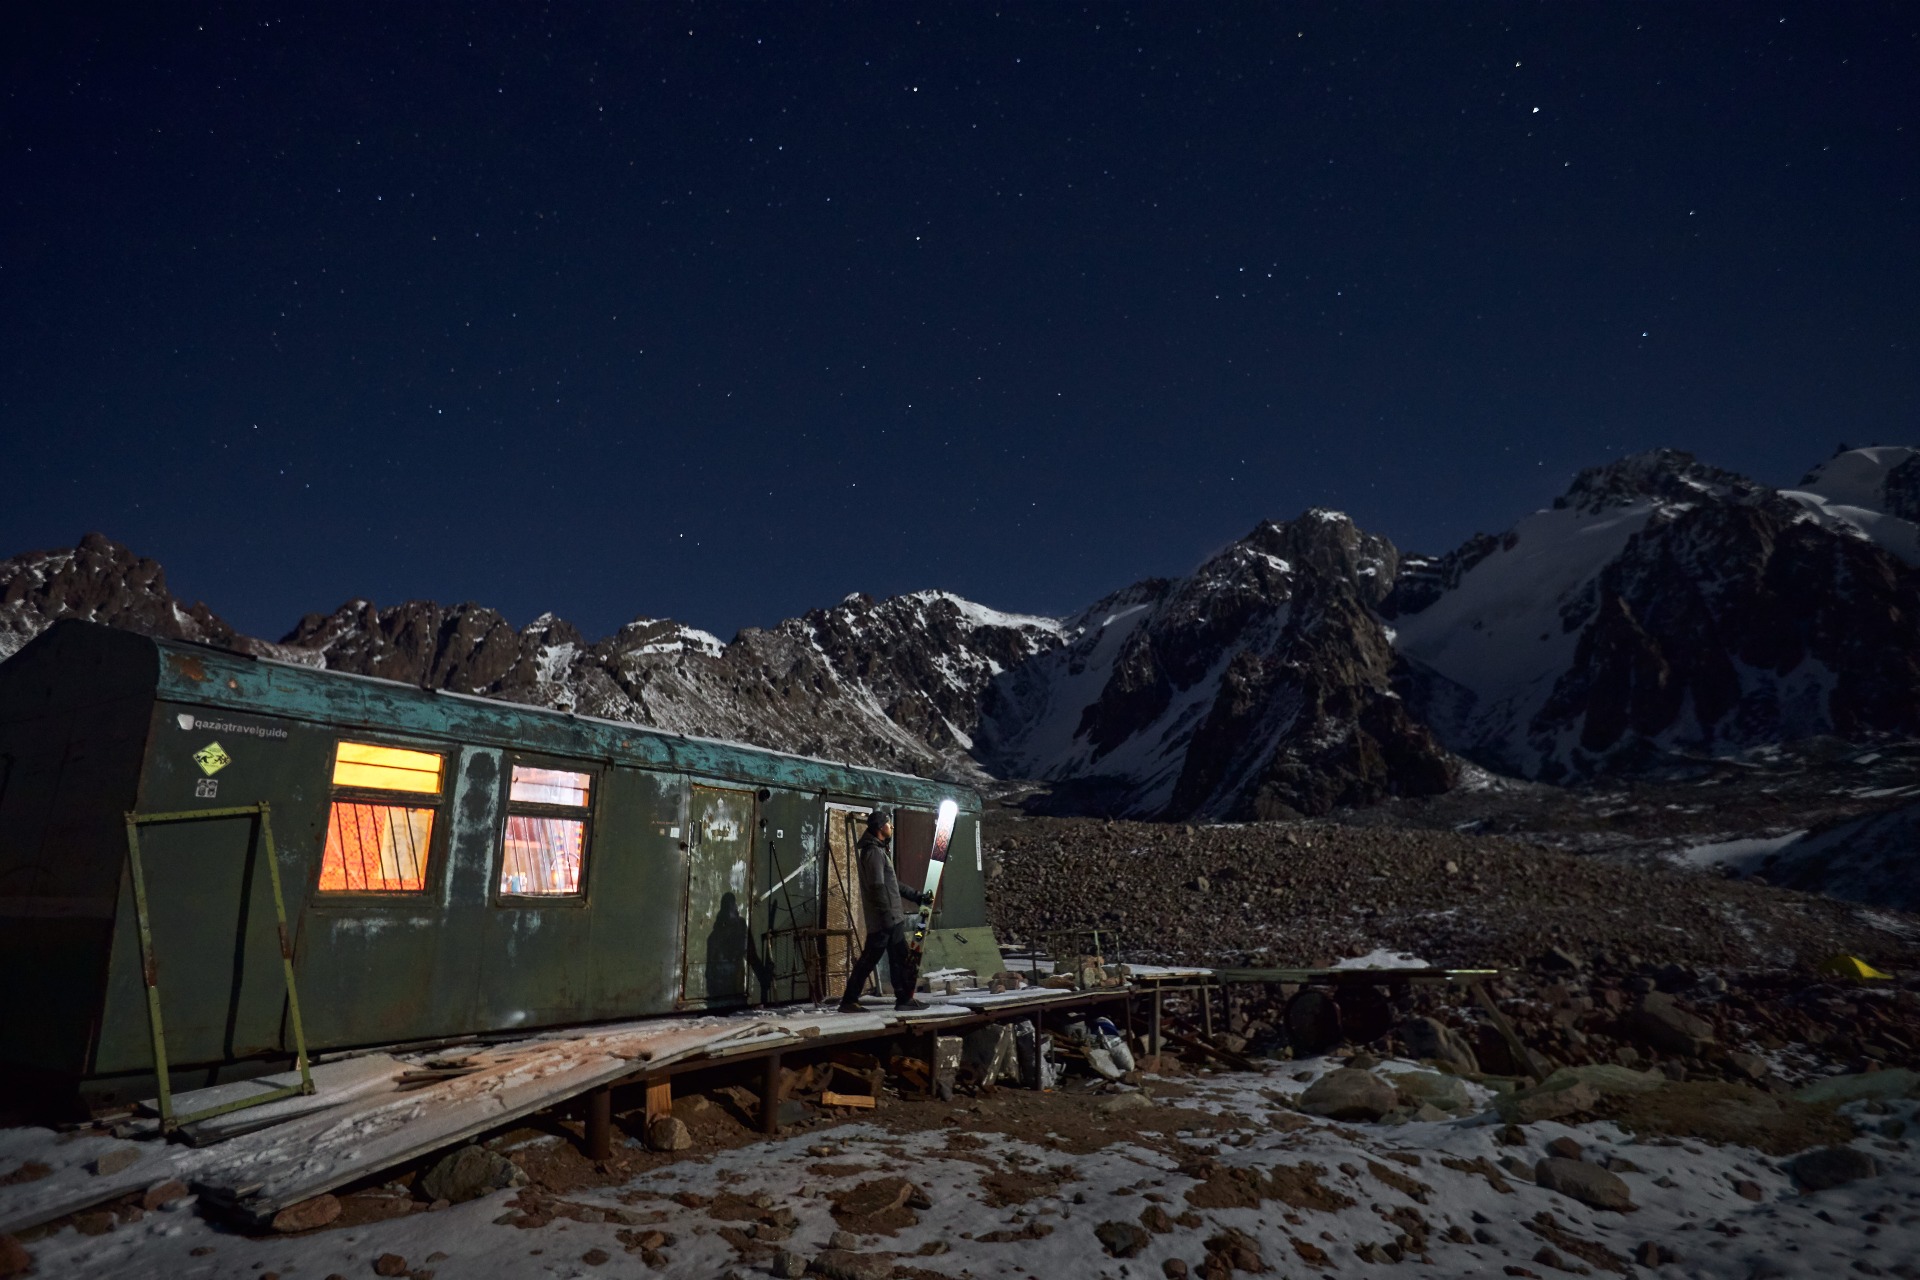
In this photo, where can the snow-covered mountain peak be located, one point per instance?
(1665, 476)
(1873, 492)
(1664, 607)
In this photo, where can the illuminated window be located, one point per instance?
(378, 842)
(360, 764)
(546, 838)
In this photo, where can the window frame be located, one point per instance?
(511, 808)
(392, 799)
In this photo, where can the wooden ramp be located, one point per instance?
(376, 1111)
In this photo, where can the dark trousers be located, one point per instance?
(901, 966)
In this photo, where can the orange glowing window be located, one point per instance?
(361, 764)
(376, 848)
(544, 851)
(380, 843)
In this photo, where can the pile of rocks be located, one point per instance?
(1306, 893)
(1771, 1031)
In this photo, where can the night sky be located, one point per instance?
(721, 312)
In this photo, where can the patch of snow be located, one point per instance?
(1381, 958)
(1743, 855)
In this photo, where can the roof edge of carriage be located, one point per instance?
(245, 683)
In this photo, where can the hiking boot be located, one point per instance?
(850, 1006)
(904, 1005)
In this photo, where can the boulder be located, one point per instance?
(1669, 1028)
(1121, 1239)
(1445, 1092)
(1349, 1094)
(1587, 1183)
(1431, 1039)
(1574, 1090)
(669, 1134)
(788, 1265)
(1832, 1167)
(307, 1215)
(468, 1174)
(1529, 1106)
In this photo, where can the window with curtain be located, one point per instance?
(380, 828)
(544, 849)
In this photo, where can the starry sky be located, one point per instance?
(720, 312)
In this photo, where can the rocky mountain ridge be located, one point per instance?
(1660, 609)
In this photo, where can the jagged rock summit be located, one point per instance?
(101, 581)
(1259, 686)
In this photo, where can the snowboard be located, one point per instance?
(936, 863)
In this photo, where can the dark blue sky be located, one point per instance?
(721, 312)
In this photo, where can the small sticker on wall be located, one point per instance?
(212, 758)
(206, 788)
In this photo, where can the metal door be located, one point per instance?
(714, 967)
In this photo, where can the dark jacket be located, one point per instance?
(879, 886)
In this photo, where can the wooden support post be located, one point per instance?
(1039, 1056)
(600, 1124)
(1206, 1009)
(1153, 1026)
(770, 1095)
(659, 1099)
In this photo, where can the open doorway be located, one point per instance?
(845, 921)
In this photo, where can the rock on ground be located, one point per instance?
(1121, 1239)
(1833, 1167)
(669, 1134)
(468, 1174)
(1587, 1183)
(307, 1215)
(1349, 1094)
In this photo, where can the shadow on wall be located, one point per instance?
(727, 954)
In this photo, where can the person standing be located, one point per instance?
(886, 918)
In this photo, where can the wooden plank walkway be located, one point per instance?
(365, 1118)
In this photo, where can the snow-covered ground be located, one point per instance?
(1043, 1186)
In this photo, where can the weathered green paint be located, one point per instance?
(211, 678)
(720, 840)
(94, 723)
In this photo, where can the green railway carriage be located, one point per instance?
(447, 865)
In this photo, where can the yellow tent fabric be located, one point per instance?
(1852, 967)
